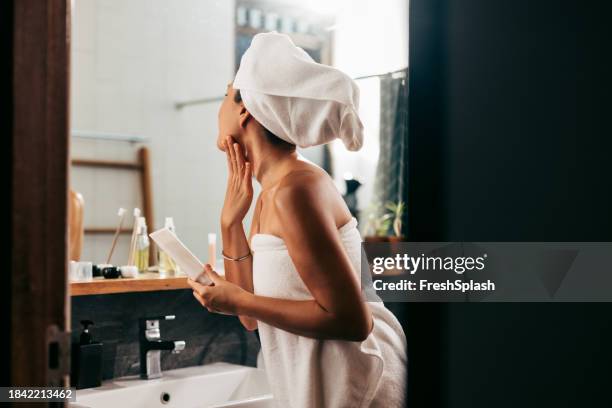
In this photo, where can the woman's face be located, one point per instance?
(229, 118)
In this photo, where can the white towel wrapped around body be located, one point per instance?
(306, 372)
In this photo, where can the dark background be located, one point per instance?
(6, 128)
(509, 141)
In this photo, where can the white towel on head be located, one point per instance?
(294, 97)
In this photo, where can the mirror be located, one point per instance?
(147, 78)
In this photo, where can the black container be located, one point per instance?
(86, 361)
(111, 272)
(96, 270)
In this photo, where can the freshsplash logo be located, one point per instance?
(415, 271)
(411, 264)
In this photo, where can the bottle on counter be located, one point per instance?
(167, 266)
(86, 370)
(142, 248)
(212, 249)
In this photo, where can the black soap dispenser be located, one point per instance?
(86, 360)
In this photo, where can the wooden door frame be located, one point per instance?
(39, 138)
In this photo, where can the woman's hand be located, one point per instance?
(239, 193)
(221, 297)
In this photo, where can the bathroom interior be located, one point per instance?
(146, 82)
(484, 118)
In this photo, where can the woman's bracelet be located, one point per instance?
(235, 259)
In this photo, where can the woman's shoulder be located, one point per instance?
(311, 194)
(305, 179)
(307, 189)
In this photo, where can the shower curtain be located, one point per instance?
(390, 183)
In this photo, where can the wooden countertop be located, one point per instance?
(147, 282)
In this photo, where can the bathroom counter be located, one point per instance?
(146, 282)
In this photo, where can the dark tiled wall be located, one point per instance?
(210, 337)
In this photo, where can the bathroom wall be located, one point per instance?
(131, 61)
(209, 337)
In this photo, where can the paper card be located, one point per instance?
(184, 258)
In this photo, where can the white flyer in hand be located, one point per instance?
(184, 258)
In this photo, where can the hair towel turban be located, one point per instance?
(294, 97)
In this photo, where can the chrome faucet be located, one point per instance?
(151, 346)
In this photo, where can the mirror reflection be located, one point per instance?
(148, 79)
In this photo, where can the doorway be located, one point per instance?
(37, 309)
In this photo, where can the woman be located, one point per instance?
(298, 280)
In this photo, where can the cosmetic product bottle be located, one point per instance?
(86, 366)
(142, 249)
(128, 271)
(135, 227)
(167, 266)
(212, 249)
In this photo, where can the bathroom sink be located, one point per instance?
(212, 385)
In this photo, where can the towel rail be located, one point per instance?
(202, 101)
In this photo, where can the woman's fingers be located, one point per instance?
(239, 158)
(212, 274)
(202, 292)
(229, 159)
(244, 167)
(199, 298)
(232, 154)
(236, 160)
(197, 286)
(247, 173)
(239, 190)
(203, 302)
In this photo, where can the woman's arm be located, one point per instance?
(238, 197)
(238, 272)
(310, 234)
(304, 317)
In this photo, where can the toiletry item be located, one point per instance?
(142, 248)
(97, 269)
(133, 239)
(76, 206)
(85, 334)
(81, 271)
(129, 271)
(212, 249)
(72, 270)
(121, 214)
(167, 266)
(111, 272)
(86, 360)
(183, 257)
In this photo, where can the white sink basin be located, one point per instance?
(213, 385)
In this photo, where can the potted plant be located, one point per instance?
(377, 224)
(383, 221)
(397, 211)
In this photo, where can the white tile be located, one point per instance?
(83, 25)
(82, 90)
(144, 55)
